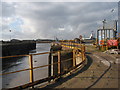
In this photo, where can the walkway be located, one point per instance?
(101, 71)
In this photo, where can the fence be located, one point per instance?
(78, 50)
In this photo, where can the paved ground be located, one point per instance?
(101, 71)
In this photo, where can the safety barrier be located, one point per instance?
(76, 49)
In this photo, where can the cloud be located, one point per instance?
(43, 19)
(61, 0)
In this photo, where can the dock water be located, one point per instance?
(12, 80)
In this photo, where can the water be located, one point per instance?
(20, 78)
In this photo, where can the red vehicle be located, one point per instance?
(112, 42)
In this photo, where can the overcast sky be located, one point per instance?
(46, 20)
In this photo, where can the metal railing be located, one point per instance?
(76, 48)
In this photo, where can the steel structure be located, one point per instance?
(105, 34)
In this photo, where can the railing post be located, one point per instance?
(102, 47)
(70, 44)
(106, 47)
(74, 44)
(59, 62)
(74, 61)
(31, 69)
(84, 52)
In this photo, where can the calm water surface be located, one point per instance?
(20, 78)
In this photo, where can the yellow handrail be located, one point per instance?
(74, 46)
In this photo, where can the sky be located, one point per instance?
(46, 20)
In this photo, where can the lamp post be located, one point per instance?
(104, 21)
(115, 28)
(10, 34)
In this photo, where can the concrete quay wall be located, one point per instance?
(9, 49)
